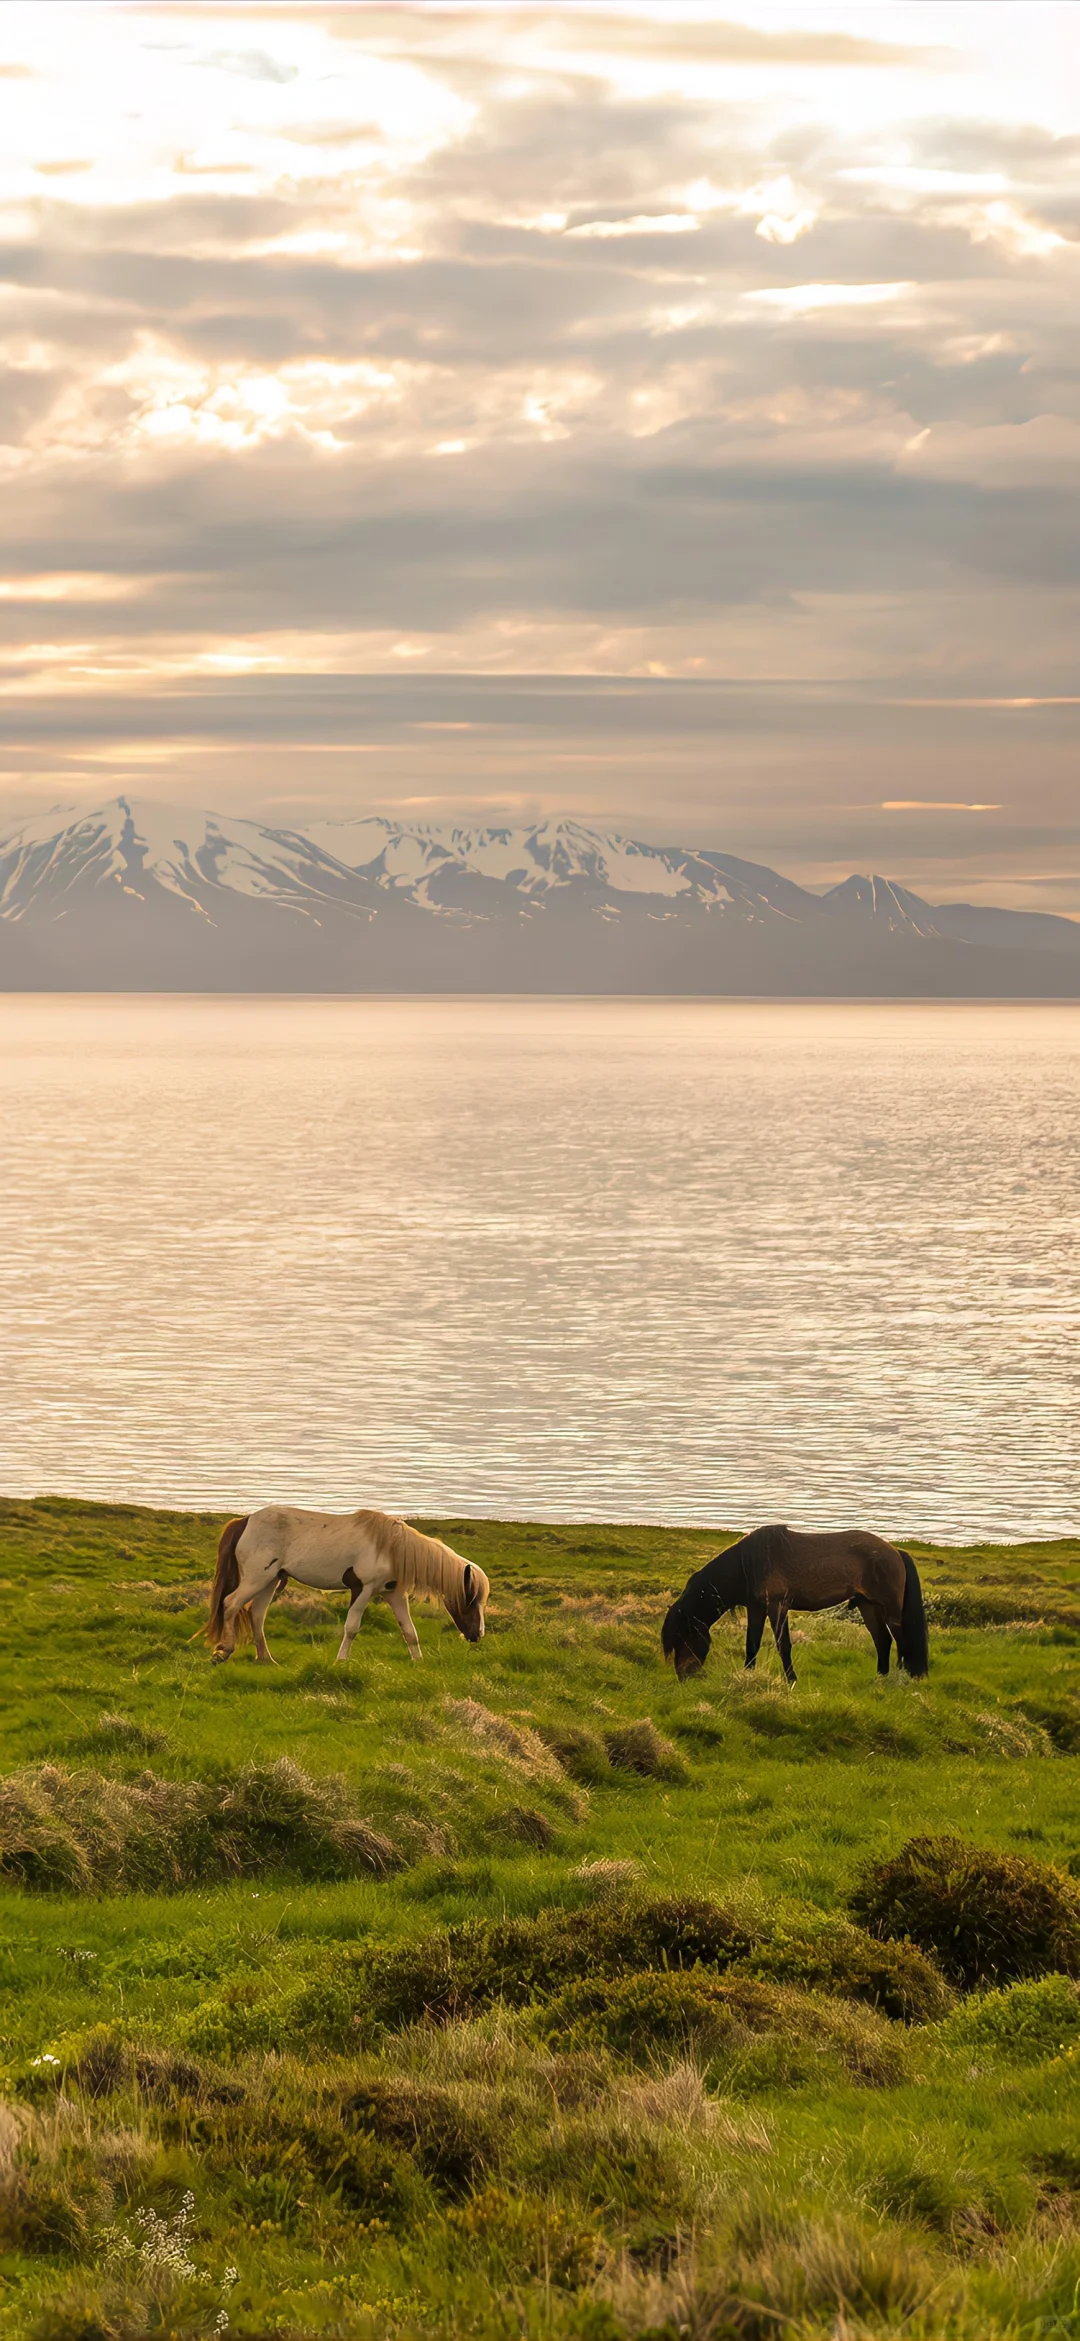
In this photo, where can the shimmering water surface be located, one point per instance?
(608, 1260)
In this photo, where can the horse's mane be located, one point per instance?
(421, 1564)
(759, 1551)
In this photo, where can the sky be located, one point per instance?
(666, 416)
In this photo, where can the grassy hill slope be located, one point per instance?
(598, 2110)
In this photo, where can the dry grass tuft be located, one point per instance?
(85, 1832)
(514, 1743)
(611, 1873)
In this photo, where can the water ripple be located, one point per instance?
(601, 1260)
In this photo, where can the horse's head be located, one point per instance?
(468, 1613)
(685, 1637)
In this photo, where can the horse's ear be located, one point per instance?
(467, 1583)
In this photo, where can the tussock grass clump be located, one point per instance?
(815, 1724)
(610, 1873)
(1059, 1719)
(639, 1747)
(580, 1752)
(104, 2062)
(65, 1831)
(122, 1732)
(988, 1917)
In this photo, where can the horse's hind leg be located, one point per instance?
(231, 1609)
(873, 1619)
(755, 1627)
(257, 1613)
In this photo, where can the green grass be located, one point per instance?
(223, 1902)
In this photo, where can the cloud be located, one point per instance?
(613, 341)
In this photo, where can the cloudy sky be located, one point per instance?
(668, 415)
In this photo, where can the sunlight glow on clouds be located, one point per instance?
(592, 341)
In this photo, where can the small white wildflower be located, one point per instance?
(46, 2059)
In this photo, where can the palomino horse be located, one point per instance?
(777, 1569)
(369, 1553)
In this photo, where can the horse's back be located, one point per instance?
(295, 1534)
(846, 1560)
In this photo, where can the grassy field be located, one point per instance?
(674, 2073)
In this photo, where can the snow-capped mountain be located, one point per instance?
(155, 896)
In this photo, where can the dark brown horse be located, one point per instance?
(777, 1569)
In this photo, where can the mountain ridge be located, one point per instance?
(147, 896)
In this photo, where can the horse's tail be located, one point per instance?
(914, 1642)
(226, 1580)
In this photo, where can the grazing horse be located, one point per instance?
(369, 1553)
(777, 1569)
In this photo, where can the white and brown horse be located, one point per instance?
(372, 1555)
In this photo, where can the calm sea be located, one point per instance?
(605, 1260)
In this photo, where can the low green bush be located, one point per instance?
(518, 1960)
(645, 2015)
(455, 2145)
(279, 2142)
(759, 2035)
(988, 1917)
(1027, 2022)
(842, 1959)
(48, 2205)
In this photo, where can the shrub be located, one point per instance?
(524, 1825)
(1060, 1719)
(253, 2141)
(895, 1977)
(777, 2034)
(46, 2208)
(636, 2015)
(1026, 2022)
(528, 2236)
(119, 1731)
(454, 2145)
(634, 2178)
(517, 1960)
(988, 1917)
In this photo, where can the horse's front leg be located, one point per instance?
(352, 1622)
(778, 1619)
(230, 1615)
(755, 1627)
(399, 1603)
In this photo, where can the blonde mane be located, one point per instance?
(421, 1564)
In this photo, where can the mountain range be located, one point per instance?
(149, 897)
